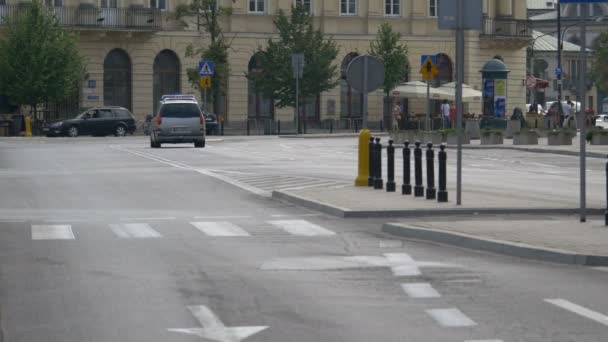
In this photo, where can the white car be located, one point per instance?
(602, 121)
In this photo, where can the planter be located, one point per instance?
(402, 136)
(471, 128)
(525, 137)
(513, 126)
(452, 139)
(434, 137)
(599, 139)
(491, 138)
(534, 120)
(560, 138)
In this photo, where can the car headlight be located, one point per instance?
(57, 124)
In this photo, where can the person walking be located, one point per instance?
(445, 113)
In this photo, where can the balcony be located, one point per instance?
(93, 18)
(505, 32)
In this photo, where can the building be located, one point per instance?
(135, 54)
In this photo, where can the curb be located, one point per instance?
(531, 150)
(406, 213)
(334, 135)
(496, 246)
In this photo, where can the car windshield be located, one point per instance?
(180, 110)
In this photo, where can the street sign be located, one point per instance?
(531, 82)
(428, 70)
(558, 72)
(446, 14)
(423, 59)
(204, 82)
(206, 68)
(356, 76)
(297, 65)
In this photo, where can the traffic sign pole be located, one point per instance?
(583, 122)
(459, 81)
(365, 65)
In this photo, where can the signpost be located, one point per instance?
(428, 71)
(206, 69)
(297, 66)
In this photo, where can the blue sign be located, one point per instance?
(206, 68)
(424, 57)
(500, 106)
(558, 72)
(93, 97)
(581, 1)
(488, 88)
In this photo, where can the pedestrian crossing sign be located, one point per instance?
(206, 68)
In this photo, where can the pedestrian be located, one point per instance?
(396, 116)
(445, 113)
(452, 114)
(567, 110)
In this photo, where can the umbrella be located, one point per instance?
(417, 90)
(468, 94)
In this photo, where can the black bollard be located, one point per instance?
(390, 164)
(378, 182)
(331, 126)
(372, 161)
(536, 123)
(442, 194)
(247, 127)
(606, 212)
(222, 127)
(431, 192)
(418, 187)
(381, 125)
(356, 126)
(406, 188)
(279, 127)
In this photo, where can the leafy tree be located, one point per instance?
(600, 64)
(393, 54)
(296, 35)
(39, 60)
(209, 15)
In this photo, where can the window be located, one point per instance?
(109, 4)
(391, 7)
(160, 4)
(106, 114)
(180, 110)
(50, 3)
(122, 114)
(2, 2)
(304, 3)
(348, 7)
(432, 8)
(257, 6)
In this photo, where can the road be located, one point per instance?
(105, 239)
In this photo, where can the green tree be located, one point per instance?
(39, 60)
(600, 63)
(393, 54)
(296, 35)
(209, 16)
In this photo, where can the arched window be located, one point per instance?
(258, 106)
(117, 79)
(350, 99)
(166, 75)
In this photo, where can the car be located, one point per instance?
(211, 123)
(98, 121)
(179, 120)
(539, 108)
(602, 121)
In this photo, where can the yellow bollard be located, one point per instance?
(364, 136)
(28, 126)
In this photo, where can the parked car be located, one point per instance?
(95, 121)
(211, 123)
(602, 121)
(179, 120)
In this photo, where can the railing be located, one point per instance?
(506, 28)
(134, 18)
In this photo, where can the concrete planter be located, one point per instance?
(491, 138)
(452, 139)
(525, 137)
(513, 126)
(560, 138)
(402, 136)
(471, 128)
(599, 139)
(534, 120)
(435, 137)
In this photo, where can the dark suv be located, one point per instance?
(95, 121)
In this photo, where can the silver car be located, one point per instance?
(179, 120)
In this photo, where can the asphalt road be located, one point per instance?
(104, 239)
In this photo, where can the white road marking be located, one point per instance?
(214, 329)
(601, 268)
(452, 318)
(301, 228)
(147, 218)
(580, 310)
(295, 215)
(420, 290)
(220, 217)
(66, 220)
(134, 230)
(52, 232)
(483, 341)
(222, 228)
(390, 244)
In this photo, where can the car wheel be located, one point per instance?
(73, 131)
(120, 131)
(199, 144)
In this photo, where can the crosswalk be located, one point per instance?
(142, 230)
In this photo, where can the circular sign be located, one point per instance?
(531, 82)
(355, 74)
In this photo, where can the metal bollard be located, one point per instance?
(390, 164)
(381, 125)
(431, 192)
(406, 188)
(606, 212)
(356, 126)
(442, 194)
(247, 127)
(418, 187)
(378, 182)
(222, 127)
(331, 127)
(279, 127)
(372, 160)
(536, 123)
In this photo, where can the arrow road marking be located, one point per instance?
(214, 329)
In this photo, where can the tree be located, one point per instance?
(39, 60)
(296, 35)
(209, 15)
(600, 63)
(393, 54)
